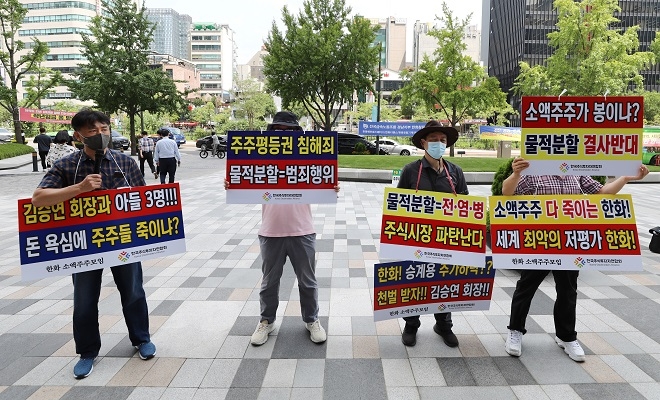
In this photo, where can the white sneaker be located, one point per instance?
(316, 332)
(514, 343)
(573, 349)
(260, 335)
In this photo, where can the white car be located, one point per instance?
(6, 135)
(394, 147)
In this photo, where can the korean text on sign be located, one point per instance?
(281, 167)
(564, 232)
(409, 288)
(99, 229)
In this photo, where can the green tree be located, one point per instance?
(589, 58)
(652, 108)
(19, 63)
(364, 111)
(39, 84)
(252, 103)
(321, 58)
(117, 75)
(450, 82)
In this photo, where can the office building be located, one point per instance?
(183, 72)
(519, 28)
(171, 32)
(213, 51)
(392, 36)
(425, 44)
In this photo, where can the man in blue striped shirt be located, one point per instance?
(147, 154)
(166, 156)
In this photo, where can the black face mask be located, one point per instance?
(97, 142)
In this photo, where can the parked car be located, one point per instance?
(176, 135)
(206, 142)
(119, 142)
(348, 141)
(6, 135)
(394, 147)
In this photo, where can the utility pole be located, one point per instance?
(380, 55)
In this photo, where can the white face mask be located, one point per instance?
(436, 149)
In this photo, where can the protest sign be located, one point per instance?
(582, 135)
(569, 232)
(99, 229)
(433, 227)
(281, 167)
(407, 288)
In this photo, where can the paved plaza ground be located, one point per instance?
(204, 305)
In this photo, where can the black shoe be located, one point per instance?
(409, 336)
(447, 336)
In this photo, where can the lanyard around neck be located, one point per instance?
(419, 175)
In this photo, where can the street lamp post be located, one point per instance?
(380, 52)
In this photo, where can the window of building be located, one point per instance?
(60, 4)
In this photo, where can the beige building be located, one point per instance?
(59, 25)
(392, 34)
(425, 44)
(183, 72)
(213, 51)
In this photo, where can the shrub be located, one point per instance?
(9, 150)
(360, 148)
(502, 173)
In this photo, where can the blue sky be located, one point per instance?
(251, 19)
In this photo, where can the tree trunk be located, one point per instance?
(131, 125)
(17, 126)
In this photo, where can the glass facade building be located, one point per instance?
(519, 32)
(172, 32)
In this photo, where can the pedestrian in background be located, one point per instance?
(216, 143)
(60, 148)
(147, 154)
(43, 142)
(166, 156)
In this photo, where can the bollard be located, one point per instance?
(35, 165)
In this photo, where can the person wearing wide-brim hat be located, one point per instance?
(433, 173)
(284, 121)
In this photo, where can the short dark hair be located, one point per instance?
(145, 132)
(86, 118)
(163, 132)
(42, 130)
(62, 136)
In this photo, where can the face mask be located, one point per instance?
(97, 142)
(436, 149)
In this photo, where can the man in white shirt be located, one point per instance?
(166, 156)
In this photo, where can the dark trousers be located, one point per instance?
(42, 155)
(86, 292)
(147, 156)
(564, 311)
(442, 319)
(167, 166)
